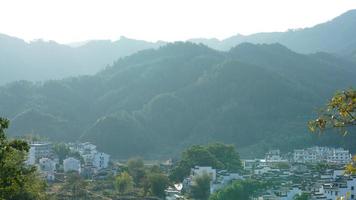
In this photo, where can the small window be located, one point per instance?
(352, 196)
(352, 188)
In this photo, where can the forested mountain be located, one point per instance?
(335, 36)
(155, 102)
(42, 60)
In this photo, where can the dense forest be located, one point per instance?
(156, 102)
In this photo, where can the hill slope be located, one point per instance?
(156, 102)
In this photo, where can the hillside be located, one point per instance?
(42, 60)
(335, 36)
(159, 101)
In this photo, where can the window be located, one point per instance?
(352, 196)
(352, 188)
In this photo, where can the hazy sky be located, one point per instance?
(77, 20)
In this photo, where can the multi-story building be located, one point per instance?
(41, 149)
(321, 154)
(101, 160)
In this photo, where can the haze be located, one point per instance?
(68, 21)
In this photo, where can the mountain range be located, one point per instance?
(158, 101)
(47, 60)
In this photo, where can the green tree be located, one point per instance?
(62, 150)
(238, 190)
(75, 185)
(200, 188)
(17, 181)
(155, 183)
(136, 169)
(218, 156)
(303, 196)
(339, 113)
(123, 183)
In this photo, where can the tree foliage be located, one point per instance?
(156, 183)
(17, 180)
(124, 183)
(303, 196)
(351, 167)
(217, 155)
(136, 169)
(340, 113)
(238, 190)
(200, 189)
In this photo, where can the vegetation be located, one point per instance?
(124, 183)
(155, 184)
(217, 155)
(183, 94)
(17, 181)
(351, 167)
(303, 196)
(238, 190)
(340, 113)
(200, 189)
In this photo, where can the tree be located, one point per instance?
(218, 156)
(200, 188)
(238, 190)
(61, 150)
(17, 180)
(303, 196)
(136, 169)
(123, 183)
(351, 167)
(156, 183)
(75, 185)
(339, 113)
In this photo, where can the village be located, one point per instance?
(318, 172)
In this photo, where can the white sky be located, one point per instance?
(77, 20)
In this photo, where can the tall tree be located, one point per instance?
(17, 180)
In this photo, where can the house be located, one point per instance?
(31, 158)
(101, 160)
(47, 168)
(322, 154)
(71, 164)
(41, 149)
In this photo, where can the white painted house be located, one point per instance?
(47, 168)
(101, 160)
(71, 164)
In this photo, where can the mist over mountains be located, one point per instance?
(41, 60)
(158, 98)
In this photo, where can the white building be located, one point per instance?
(101, 160)
(41, 149)
(31, 158)
(322, 154)
(71, 164)
(342, 188)
(199, 171)
(47, 168)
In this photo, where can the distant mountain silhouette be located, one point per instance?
(46, 60)
(335, 36)
(43, 60)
